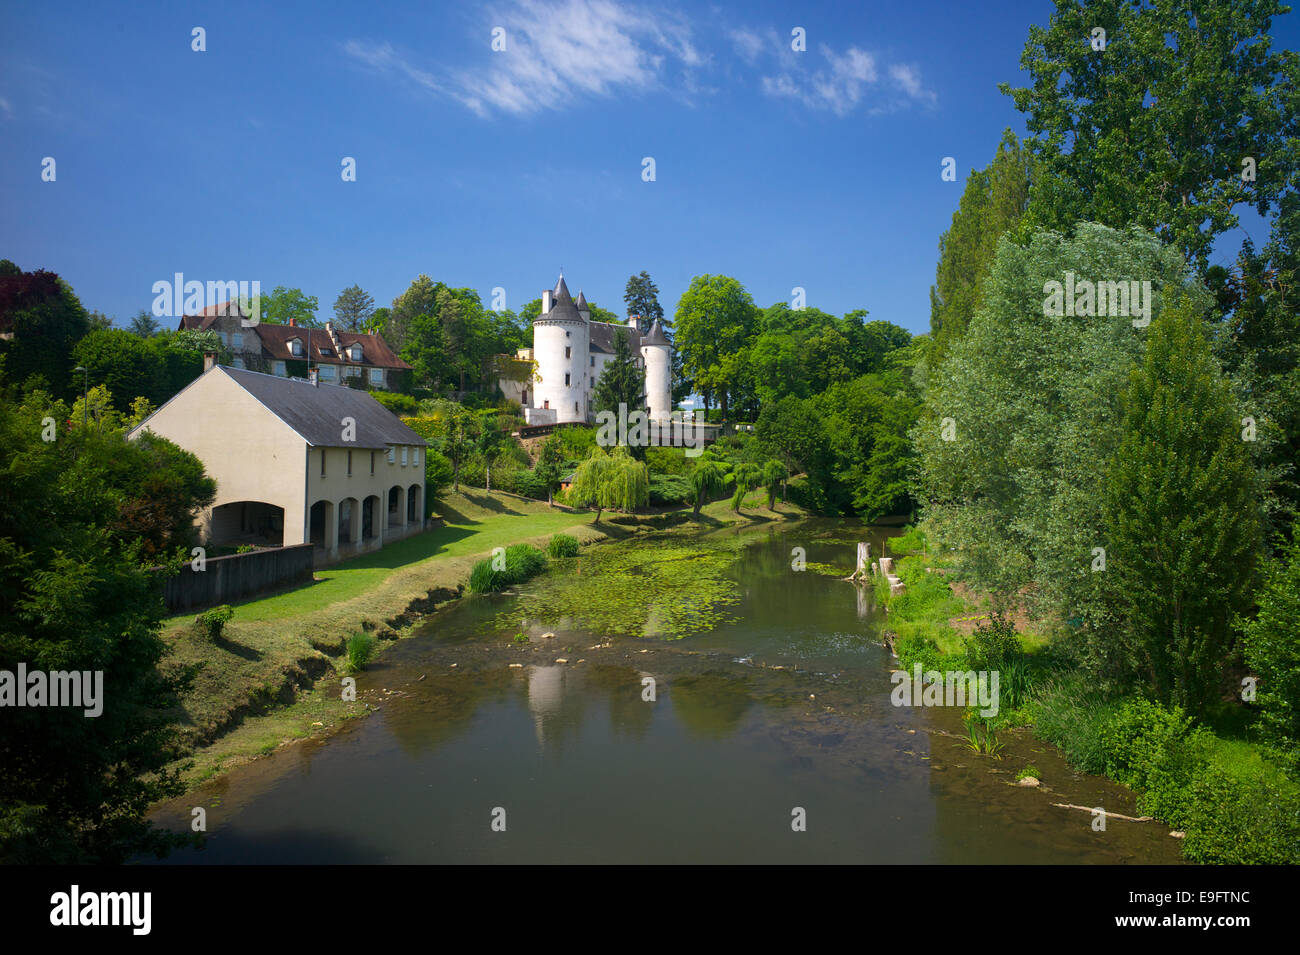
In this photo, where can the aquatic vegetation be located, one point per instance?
(562, 545)
(657, 588)
(521, 561)
(1029, 772)
(986, 744)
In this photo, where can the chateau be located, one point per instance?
(570, 352)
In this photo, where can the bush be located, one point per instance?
(1238, 821)
(562, 545)
(437, 474)
(361, 648)
(666, 491)
(1072, 712)
(910, 541)
(398, 404)
(1030, 771)
(214, 621)
(916, 649)
(993, 645)
(1271, 646)
(1157, 752)
(522, 561)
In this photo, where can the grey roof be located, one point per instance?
(562, 307)
(561, 293)
(581, 302)
(316, 411)
(656, 335)
(602, 337)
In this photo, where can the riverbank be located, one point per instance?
(274, 676)
(1220, 794)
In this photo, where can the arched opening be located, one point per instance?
(321, 523)
(247, 522)
(414, 506)
(371, 518)
(396, 506)
(349, 523)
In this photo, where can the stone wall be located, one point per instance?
(238, 576)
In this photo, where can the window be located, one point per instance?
(372, 462)
(392, 454)
(566, 377)
(403, 457)
(566, 334)
(356, 352)
(239, 340)
(322, 462)
(349, 464)
(237, 362)
(280, 369)
(568, 352)
(415, 456)
(376, 376)
(575, 407)
(295, 347)
(593, 361)
(327, 372)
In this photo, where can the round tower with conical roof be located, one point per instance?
(657, 353)
(560, 347)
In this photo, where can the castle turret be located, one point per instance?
(581, 305)
(657, 353)
(560, 347)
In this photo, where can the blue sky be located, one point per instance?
(818, 169)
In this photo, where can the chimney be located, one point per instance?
(546, 301)
(632, 321)
(313, 376)
(293, 323)
(209, 361)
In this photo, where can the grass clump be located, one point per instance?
(361, 649)
(518, 563)
(562, 545)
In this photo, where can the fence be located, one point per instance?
(225, 579)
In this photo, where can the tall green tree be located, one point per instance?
(1271, 644)
(708, 478)
(45, 319)
(1182, 506)
(354, 308)
(420, 298)
(641, 296)
(1154, 128)
(610, 480)
(716, 319)
(282, 305)
(76, 594)
(993, 203)
(144, 324)
(621, 381)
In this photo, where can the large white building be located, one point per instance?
(571, 351)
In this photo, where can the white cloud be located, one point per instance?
(845, 81)
(747, 43)
(6, 108)
(556, 52)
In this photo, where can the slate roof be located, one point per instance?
(316, 411)
(602, 337)
(656, 335)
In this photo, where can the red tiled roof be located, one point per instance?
(375, 352)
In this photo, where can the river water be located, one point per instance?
(770, 737)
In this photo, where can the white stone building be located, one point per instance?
(571, 351)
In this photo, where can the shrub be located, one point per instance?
(993, 644)
(398, 404)
(562, 545)
(916, 649)
(1237, 821)
(670, 490)
(910, 541)
(485, 579)
(361, 648)
(437, 474)
(1158, 752)
(521, 562)
(1072, 711)
(1271, 645)
(214, 621)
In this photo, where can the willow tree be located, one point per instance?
(775, 474)
(746, 477)
(707, 479)
(610, 480)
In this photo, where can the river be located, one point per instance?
(767, 734)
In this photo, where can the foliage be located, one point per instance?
(1029, 772)
(610, 480)
(75, 594)
(992, 204)
(993, 645)
(912, 540)
(353, 309)
(562, 545)
(46, 319)
(283, 305)
(522, 561)
(1182, 527)
(707, 478)
(621, 382)
(715, 317)
(641, 296)
(360, 648)
(775, 474)
(1153, 130)
(400, 405)
(214, 621)
(1158, 752)
(670, 490)
(1271, 646)
(1031, 401)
